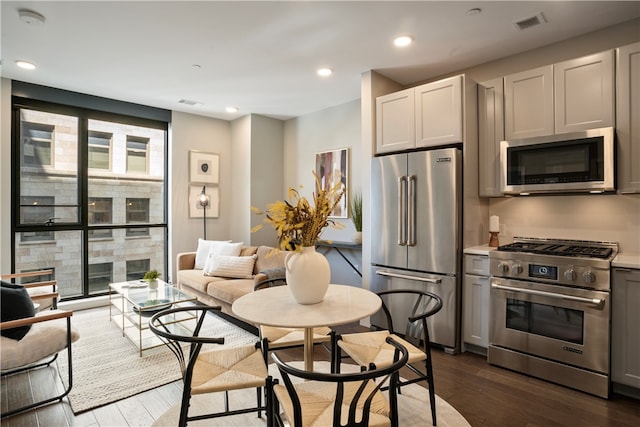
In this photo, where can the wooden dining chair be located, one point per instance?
(372, 348)
(317, 399)
(213, 371)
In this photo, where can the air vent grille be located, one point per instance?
(189, 102)
(532, 21)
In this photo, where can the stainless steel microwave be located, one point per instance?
(571, 162)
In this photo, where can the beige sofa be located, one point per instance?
(223, 291)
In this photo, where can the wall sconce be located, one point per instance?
(203, 199)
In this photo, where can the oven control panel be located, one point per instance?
(568, 272)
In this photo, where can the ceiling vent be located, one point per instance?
(532, 21)
(189, 102)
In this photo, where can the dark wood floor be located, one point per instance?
(485, 395)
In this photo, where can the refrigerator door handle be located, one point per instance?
(402, 197)
(406, 276)
(411, 212)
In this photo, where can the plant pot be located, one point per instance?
(357, 237)
(308, 275)
(153, 284)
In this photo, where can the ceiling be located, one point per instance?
(262, 57)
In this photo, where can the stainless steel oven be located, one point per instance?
(550, 314)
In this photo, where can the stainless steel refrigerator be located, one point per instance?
(416, 235)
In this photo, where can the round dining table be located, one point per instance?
(276, 307)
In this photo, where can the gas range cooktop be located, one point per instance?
(573, 249)
(576, 263)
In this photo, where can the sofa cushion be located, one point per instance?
(196, 280)
(268, 257)
(237, 267)
(229, 290)
(216, 247)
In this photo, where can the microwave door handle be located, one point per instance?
(595, 301)
(406, 276)
(411, 211)
(402, 197)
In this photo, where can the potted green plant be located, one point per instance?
(356, 215)
(152, 277)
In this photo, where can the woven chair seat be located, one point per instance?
(317, 400)
(286, 337)
(229, 369)
(371, 347)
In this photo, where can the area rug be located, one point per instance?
(107, 367)
(413, 406)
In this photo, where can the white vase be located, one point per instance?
(153, 284)
(357, 237)
(308, 275)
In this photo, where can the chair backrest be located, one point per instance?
(371, 380)
(423, 305)
(160, 324)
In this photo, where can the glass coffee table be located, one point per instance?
(131, 304)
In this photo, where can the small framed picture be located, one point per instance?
(204, 167)
(204, 200)
(332, 169)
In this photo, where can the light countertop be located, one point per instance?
(479, 250)
(626, 260)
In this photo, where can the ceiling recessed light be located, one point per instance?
(324, 72)
(403, 41)
(30, 17)
(26, 65)
(231, 109)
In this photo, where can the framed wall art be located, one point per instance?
(332, 169)
(204, 167)
(196, 208)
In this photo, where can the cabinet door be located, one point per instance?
(395, 129)
(491, 129)
(438, 108)
(625, 334)
(529, 103)
(628, 118)
(584, 93)
(475, 296)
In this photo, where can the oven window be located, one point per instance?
(564, 324)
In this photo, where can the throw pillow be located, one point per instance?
(234, 267)
(16, 304)
(204, 246)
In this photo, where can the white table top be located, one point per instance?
(276, 307)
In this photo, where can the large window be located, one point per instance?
(90, 191)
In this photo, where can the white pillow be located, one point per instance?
(235, 267)
(204, 246)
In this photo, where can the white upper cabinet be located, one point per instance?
(395, 123)
(424, 116)
(491, 132)
(628, 118)
(528, 103)
(438, 109)
(584, 90)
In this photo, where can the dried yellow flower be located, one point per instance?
(297, 222)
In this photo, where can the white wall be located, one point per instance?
(191, 132)
(328, 129)
(5, 175)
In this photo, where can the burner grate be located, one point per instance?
(558, 249)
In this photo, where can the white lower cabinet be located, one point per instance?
(625, 328)
(476, 285)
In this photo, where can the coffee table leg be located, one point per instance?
(308, 349)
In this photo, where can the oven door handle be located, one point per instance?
(595, 301)
(405, 276)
